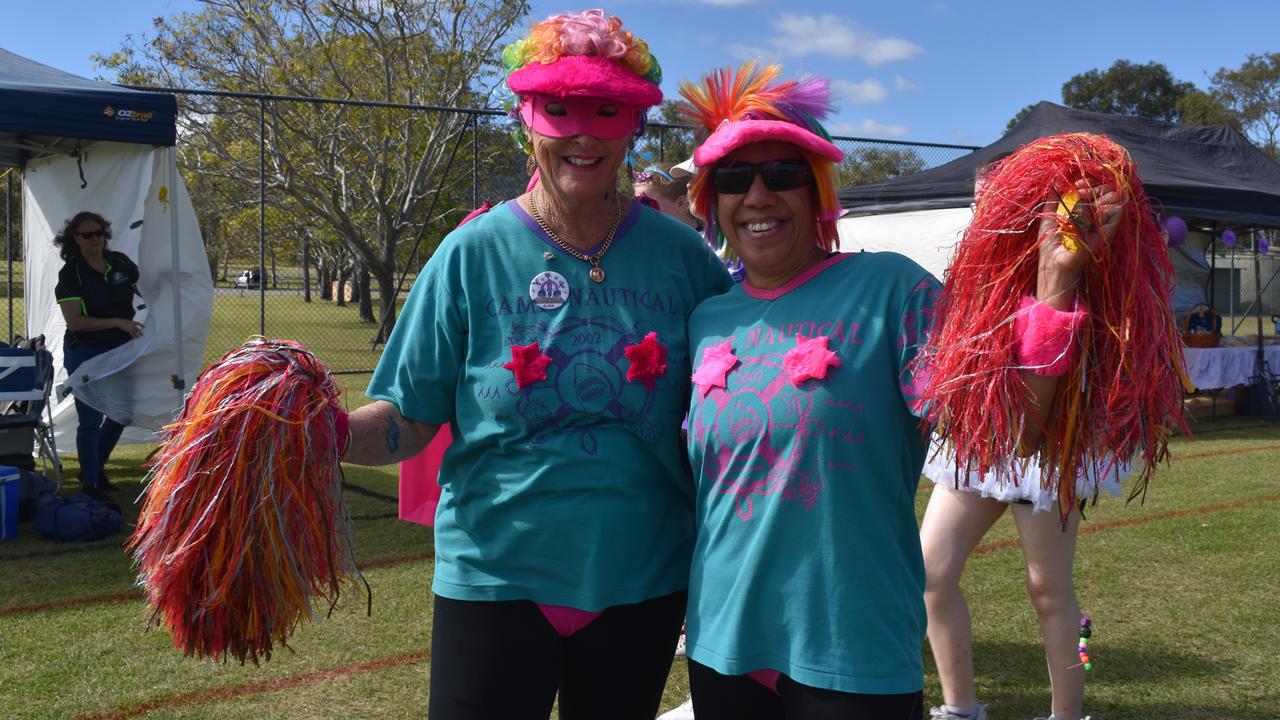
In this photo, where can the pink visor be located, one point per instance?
(560, 117)
(733, 134)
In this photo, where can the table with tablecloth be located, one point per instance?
(1223, 367)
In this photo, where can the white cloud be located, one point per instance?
(867, 128)
(740, 52)
(867, 91)
(902, 84)
(830, 35)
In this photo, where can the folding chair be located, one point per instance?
(26, 417)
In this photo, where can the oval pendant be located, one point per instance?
(596, 274)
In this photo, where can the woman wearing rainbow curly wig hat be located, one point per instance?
(805, 597)
(550, 333)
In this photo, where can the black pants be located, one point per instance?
(504, 661)
(739, 697)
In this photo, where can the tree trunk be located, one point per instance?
(365, 295)
(306, 268)
(326, 279)
(343, 275)
(386, 279)
(273, 269)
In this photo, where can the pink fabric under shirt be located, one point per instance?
(567, 620)
(420, 480)
(767, 678)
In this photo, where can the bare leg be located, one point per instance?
(953, 525)
(1050, 552)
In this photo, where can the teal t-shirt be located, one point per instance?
(574, 489)
(807, 455)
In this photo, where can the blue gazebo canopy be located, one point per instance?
(44, 110)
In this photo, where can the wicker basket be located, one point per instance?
(1202, 327)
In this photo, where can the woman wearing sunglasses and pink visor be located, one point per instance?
(806, 593)
(550, 333)
(805, 598)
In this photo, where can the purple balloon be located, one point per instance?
(1228, 238)
(1176, 229)
(1263, 246)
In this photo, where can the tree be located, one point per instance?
(1200, 108)
(1253, 93)
(1127, 89)
(1018, 118)
(367, 174)
(1143, 90)
(873, 164)
(669, 144)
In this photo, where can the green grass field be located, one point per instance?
(1182, 589)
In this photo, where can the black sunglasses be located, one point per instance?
(779, 176)
(91, 234)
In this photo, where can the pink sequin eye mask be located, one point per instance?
(566, 117)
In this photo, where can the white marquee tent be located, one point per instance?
(86, 145)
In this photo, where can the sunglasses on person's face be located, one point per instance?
(91, 234)
(778, 175)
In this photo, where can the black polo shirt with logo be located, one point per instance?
(101, 295)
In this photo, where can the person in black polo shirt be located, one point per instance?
(95, 292)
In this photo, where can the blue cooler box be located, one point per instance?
(18, 375)
(8, 502)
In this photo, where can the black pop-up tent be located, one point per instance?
(1210, 172)
(88, 145)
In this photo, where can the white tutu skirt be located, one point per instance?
(940, 467)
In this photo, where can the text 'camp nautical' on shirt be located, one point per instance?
(567, 481)
(807, 455)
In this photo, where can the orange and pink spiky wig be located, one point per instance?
(750, 105)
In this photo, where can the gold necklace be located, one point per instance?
(596, 273)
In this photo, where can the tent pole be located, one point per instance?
(1263, 382)
(1211, 251)
(8, 244)
(180, 378)
(1231, 294)
(1257, 284)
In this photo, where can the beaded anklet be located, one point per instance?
(1086, 631)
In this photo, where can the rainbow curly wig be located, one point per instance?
(749, 105)
(582, 54)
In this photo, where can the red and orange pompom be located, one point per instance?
(243, 532)
(1122, 396)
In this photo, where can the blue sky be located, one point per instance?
(932, 71)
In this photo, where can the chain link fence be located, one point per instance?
(317, 213)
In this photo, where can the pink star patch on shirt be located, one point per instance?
(528, 364)
(717, 361)
(809, 359)
(648, 360)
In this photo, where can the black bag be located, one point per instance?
(77, 518)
